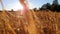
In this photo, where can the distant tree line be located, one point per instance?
(55, 6)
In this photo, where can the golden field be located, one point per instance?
(32, 22)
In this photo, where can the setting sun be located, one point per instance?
(16, 6)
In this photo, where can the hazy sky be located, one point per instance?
(14, 4)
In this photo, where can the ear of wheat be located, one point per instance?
(29, 17)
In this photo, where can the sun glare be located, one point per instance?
(15, 6)
(18, 6)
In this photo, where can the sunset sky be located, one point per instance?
(14, 4)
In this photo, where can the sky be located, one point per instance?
(16, 5)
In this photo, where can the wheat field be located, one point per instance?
(39, 22)
(31, 22)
